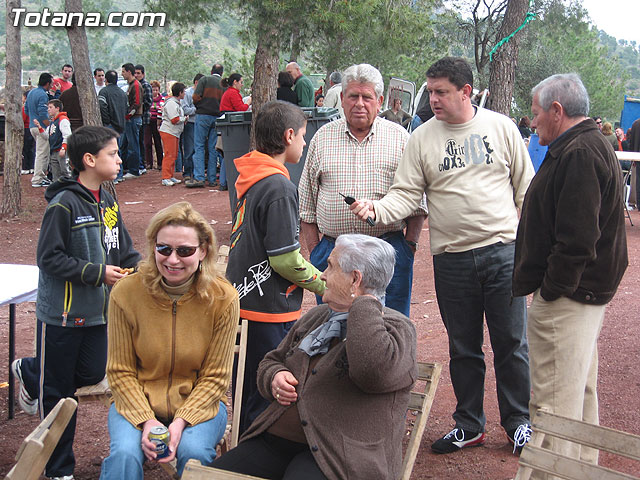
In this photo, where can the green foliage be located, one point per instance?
(562, 41)
(397, 37)
(168, 55)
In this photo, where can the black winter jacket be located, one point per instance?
(571, 239)
(113, 107)
(78, 238)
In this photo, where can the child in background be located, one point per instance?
(57, 132)
(265, 264)
(82, 246)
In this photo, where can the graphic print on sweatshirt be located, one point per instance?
(111, 229)
(476, 150)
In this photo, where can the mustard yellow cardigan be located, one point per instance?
(172, 358)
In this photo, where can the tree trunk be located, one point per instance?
(295, 42)
(265, 72)
(503, 67)
(14, 129)
(82, 68)
(84, 76)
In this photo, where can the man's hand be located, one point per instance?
(112, 274)
(62, 152)
(175, 430)
(310, 235)
(363, 209)
(36, 122)
(283, 387)
(148, 447)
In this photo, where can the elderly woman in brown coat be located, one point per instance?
(339, 382)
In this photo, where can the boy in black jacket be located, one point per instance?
(82, 246)
(265, 264)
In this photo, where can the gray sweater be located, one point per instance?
(353, 403)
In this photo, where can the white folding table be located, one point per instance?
(18, 283)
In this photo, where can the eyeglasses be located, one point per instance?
(183, 251)
(599, 123)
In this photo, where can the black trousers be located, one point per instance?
(261, 339)
(67, 358)
(269, 456)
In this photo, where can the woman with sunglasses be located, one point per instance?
(171, 332)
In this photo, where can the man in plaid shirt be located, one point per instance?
(358, 156)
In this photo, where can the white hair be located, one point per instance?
(565, 88)
(364, 73)
(372, 257)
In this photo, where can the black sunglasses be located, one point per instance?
(183, 252)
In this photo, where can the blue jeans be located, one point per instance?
(398, 294)
(472, 285)
(126, 458)
(205, 135)
(132, 132)
(416, 122)
(223, 169)
(184, 163)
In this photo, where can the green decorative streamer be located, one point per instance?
(530, 16)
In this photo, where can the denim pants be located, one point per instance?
(126, 458)
(204, 136)
(398, 294)
(132, 132)
(223, 169)
(184, 163)
(469, 286)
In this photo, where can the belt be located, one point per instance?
(384, 236)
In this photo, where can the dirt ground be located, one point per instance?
(619, 387)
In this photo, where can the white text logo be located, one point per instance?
(47, 18)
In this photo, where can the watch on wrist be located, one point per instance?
(412, 243)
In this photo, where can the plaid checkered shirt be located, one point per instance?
(338, 163)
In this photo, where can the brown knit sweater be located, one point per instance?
(353, 403)
(170, 359)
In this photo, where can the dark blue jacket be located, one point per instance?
(78, 238)
(36, 107)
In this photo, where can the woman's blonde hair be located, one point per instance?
(208, 282)
(607, 129)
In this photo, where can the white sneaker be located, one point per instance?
(24, 172)
(27, 404)
(66, 477)
(130, 175)
(175, 180)
(167, 182)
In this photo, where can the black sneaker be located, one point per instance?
(192, 183)
(457, 439)
(519, 437)
(43, 183)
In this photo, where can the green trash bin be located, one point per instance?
(235, 129)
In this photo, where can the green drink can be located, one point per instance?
(160, 437)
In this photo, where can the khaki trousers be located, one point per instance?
(563, 355)
(42, 156)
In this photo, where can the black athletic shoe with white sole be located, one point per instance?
(457, 439)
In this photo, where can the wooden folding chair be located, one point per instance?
(99, 392)
(194, 470)
(534, 458)
(420, 402)
(36, 449)
(232, 433)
